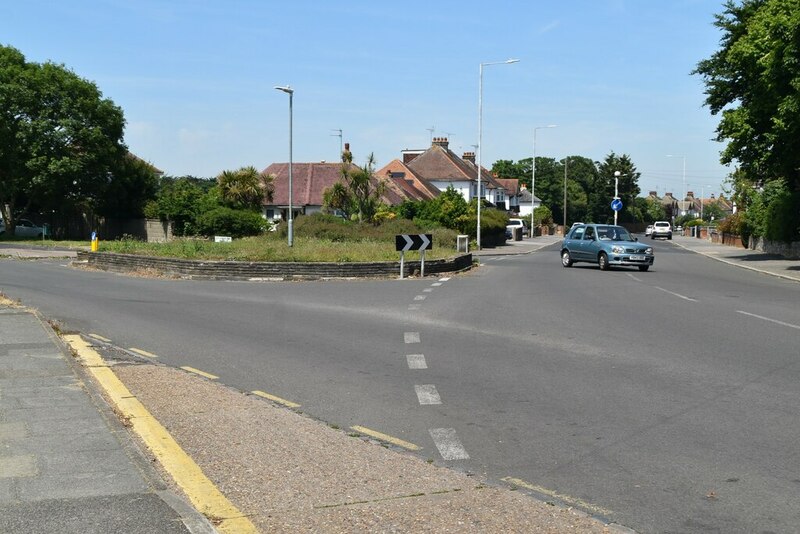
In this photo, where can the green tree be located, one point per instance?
(753, 81)
(181, 202)
(358, 194)
(654, 211)
(506, 168)
(602, 193)
(134, 184)
(60, 140)
(245, 188)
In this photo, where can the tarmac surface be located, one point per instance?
(96, 440)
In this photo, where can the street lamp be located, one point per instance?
(533, 172)
(480, 134)
(683, 198)
(617, 174)
(289, 91)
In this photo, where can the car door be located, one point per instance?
(589, 244)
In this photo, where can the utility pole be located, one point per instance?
(566, 162)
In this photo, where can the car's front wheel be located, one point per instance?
(566, 259)
(602, 260)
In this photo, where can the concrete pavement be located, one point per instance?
(754, 260)
(66, 463)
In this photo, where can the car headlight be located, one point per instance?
(616, 249)
(648, 250)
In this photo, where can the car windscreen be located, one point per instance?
(613, 233)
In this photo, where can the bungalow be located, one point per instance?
(309, 182)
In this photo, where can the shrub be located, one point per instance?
(230, 222)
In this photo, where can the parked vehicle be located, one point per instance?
(516, 223)
(649, 230)
(605, 245)
(26, 228)
(661, 229)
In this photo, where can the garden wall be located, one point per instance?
(790, 251)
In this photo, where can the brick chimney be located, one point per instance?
(441, 141)
(409, 155)
(653, 193)
(469, 156)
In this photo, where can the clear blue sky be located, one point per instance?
(195, 78)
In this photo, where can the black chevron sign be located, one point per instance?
(405, 242)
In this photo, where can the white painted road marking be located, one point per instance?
(444, 279)
(413, 307)
(676, 294)
(411, 337)
(448, 444)
(416, 361)
(436, 284)
(420, 297)
(427, 290)
(427, 394)
(768, 319)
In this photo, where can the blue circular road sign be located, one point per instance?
(616, 204)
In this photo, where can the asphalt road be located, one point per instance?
(664, 400)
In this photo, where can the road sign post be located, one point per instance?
(420, 242)
(616, 205)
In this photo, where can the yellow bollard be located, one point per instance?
(95, 243)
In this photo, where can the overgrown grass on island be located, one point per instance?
(269, 248)
(317, 238)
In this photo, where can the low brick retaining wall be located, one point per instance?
(241, 270)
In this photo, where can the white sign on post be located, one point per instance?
(222, 239)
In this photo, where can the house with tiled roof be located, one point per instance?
(441, 168)
(400, 175)
(309, 182)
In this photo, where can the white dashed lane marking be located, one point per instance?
(449, 445)
(420, 297)
(413, 307)
(416, 361)
(445, 279)
(675, 294)
(427, 290)
(427, 394)
(436, 284)
(411, 337)
(768, 319)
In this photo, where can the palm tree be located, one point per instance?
(245, 188)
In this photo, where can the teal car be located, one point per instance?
(605, 245)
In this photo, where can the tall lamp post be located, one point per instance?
(480, 134)
(617, 174)
(289, 91)
(533, 172)
(683, 198)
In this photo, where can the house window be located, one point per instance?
(270, 214)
